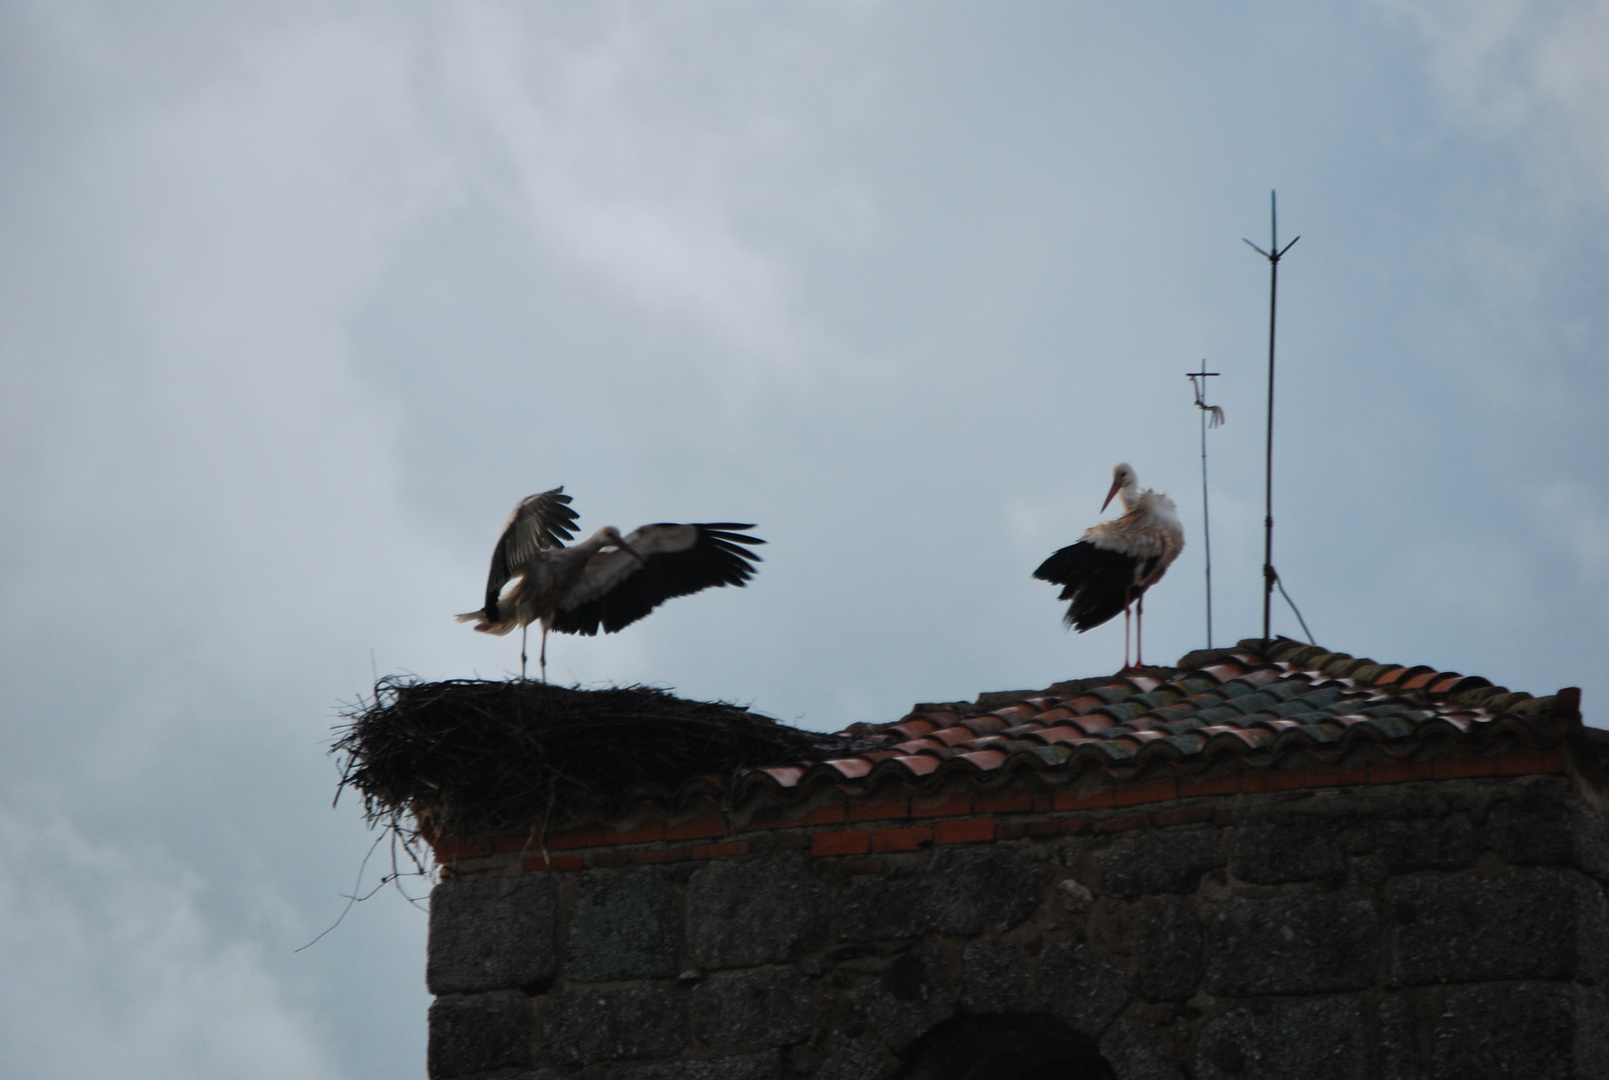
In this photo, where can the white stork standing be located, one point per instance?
(606, 579)
(1114, 562)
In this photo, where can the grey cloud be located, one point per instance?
(298, 300)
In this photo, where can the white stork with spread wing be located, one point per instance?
(606, 580)
(1114, 562)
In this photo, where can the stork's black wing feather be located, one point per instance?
(671, 567)
(539, 522)
(1096, 580)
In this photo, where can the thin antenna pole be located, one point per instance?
(1206, 528)
(1198, 380)
(1273, 255)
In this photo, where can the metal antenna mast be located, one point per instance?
(1273, 255)
(1198, 380)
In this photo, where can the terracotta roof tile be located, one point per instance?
(950, 736)
(1462, 685)
(854, 768)
(915, 727)
(1121, 712)
(1254, 701)
(1218, 714)
(1188, 743)
(1051, 755)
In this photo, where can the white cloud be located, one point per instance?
(299, 298)
(111, 970)
(583, 131)
(1530, 71)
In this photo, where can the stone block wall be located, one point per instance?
(1452, 929)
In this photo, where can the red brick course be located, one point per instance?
(1450, 768)
(969, 818)
(451, 850)
(1066, 800)
(943, 806)
(697, 829)
(767, 817)
(1191, 787)
(1021, 802)
(881, 809)
(1522, 762)
(1393, 772)
(1121, 824)
(841, 843)
(1155, 791)
(831, 814)
(965, 831)
(903, 839)
(1325, 776)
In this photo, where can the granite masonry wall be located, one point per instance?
(1445, 923)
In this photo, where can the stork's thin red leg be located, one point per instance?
(544, 652)
(1139, 632)
(522, 651)
(1125, 636)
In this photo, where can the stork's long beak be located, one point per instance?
(632, 552)
(1116, 487)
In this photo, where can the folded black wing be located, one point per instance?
(1096, 580)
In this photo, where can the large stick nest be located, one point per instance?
(471, 757)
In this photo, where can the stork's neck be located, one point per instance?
(1129, 495)
(598, 540)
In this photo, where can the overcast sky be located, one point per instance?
(299, 299)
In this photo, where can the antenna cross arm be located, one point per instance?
(1278, 253)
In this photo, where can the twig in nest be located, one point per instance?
(470, 757)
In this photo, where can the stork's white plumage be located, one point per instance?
(1115, 562)
(607, 580)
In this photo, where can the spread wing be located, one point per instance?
(537, 523)
(616, 589)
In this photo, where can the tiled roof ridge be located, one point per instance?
(1255, 701)
(1465, 690)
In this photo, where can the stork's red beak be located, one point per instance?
(1110, 495)
(631, 551)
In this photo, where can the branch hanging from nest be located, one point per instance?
(471, 757)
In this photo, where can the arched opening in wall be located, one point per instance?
(1005, 1046)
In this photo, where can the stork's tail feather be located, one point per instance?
(487, 624)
